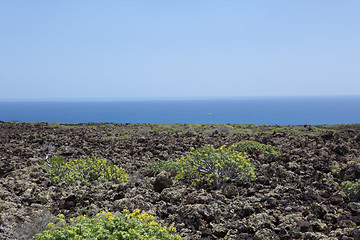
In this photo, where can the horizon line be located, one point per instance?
(189, 98)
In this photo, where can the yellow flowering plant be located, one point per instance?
(85, 169)
(109, 226)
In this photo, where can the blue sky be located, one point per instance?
(118, 49)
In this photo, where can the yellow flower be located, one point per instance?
(152, 223)
(136, 211)
(50, 225)
(172, 229)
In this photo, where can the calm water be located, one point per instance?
(275, 110)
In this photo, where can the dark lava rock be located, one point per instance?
(230, 190)
(347, 238)
(220, 230)
(297, 195)
(163, 180)
(327, 136)
(355, 233)
(68, 203)
(336, 200)
(265, 234)
(304, 226)
(351, 171)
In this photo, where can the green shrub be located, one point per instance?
(170, 166)
(251, 147)
(353, 189)
(105, 225)
(208, 164)
(85, 169)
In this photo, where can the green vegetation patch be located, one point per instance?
(54, 125)
(251, 147)
(69, 125)
(85, 169)
(208, 164)
(293, 129)
(351, 174)
(105, 225)
(353, 189)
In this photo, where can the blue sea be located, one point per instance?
(257, 110)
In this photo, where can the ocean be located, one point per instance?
(256, 110)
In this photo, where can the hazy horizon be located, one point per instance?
(202, 98)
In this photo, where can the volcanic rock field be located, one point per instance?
(298, 195)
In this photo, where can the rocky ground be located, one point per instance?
(295, 196)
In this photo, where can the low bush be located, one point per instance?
(105, 225)
(251, 147)
(353, 189)
(84, 169)
(170, 166)
(212, 165)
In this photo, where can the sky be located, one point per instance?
(140, 49)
